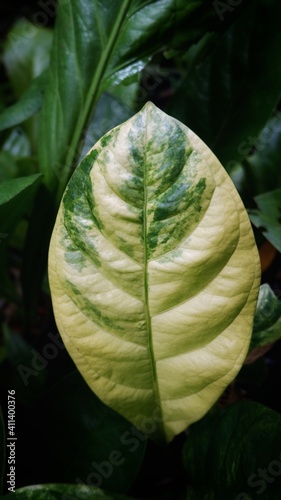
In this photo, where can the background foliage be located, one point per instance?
(66, 78)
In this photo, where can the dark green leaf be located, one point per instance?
(127, 92)
(253, 373)
(105, 42)
(34, 266)
(11, 189)
(27, 166)
(15, 196)
(23, 373)
(17, 144)
(262, 168)
(267, 321)
(237, 452)
(7, 290)
(2, 451)
(229, 97)
(94, 445)
(62, 492)
(110, 111)
(268, 216)
(8, 166)
(28, 104)
(26, 54)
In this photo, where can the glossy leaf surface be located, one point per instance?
(267, 321)
(106, 42)
(63, 492)
(16, 196)
(29, 103)
(268, 216)
(222, 93)
(237, 452)
(262, 167)
(154, 273)
(26, 54)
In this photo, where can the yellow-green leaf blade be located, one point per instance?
(154, 273)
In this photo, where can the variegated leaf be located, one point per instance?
(154, 273)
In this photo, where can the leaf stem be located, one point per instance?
(92, 96)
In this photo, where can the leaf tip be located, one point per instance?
(149, 106)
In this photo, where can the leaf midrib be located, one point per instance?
(151, 354)
(93, 93)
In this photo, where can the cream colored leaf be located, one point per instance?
(154, 273)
